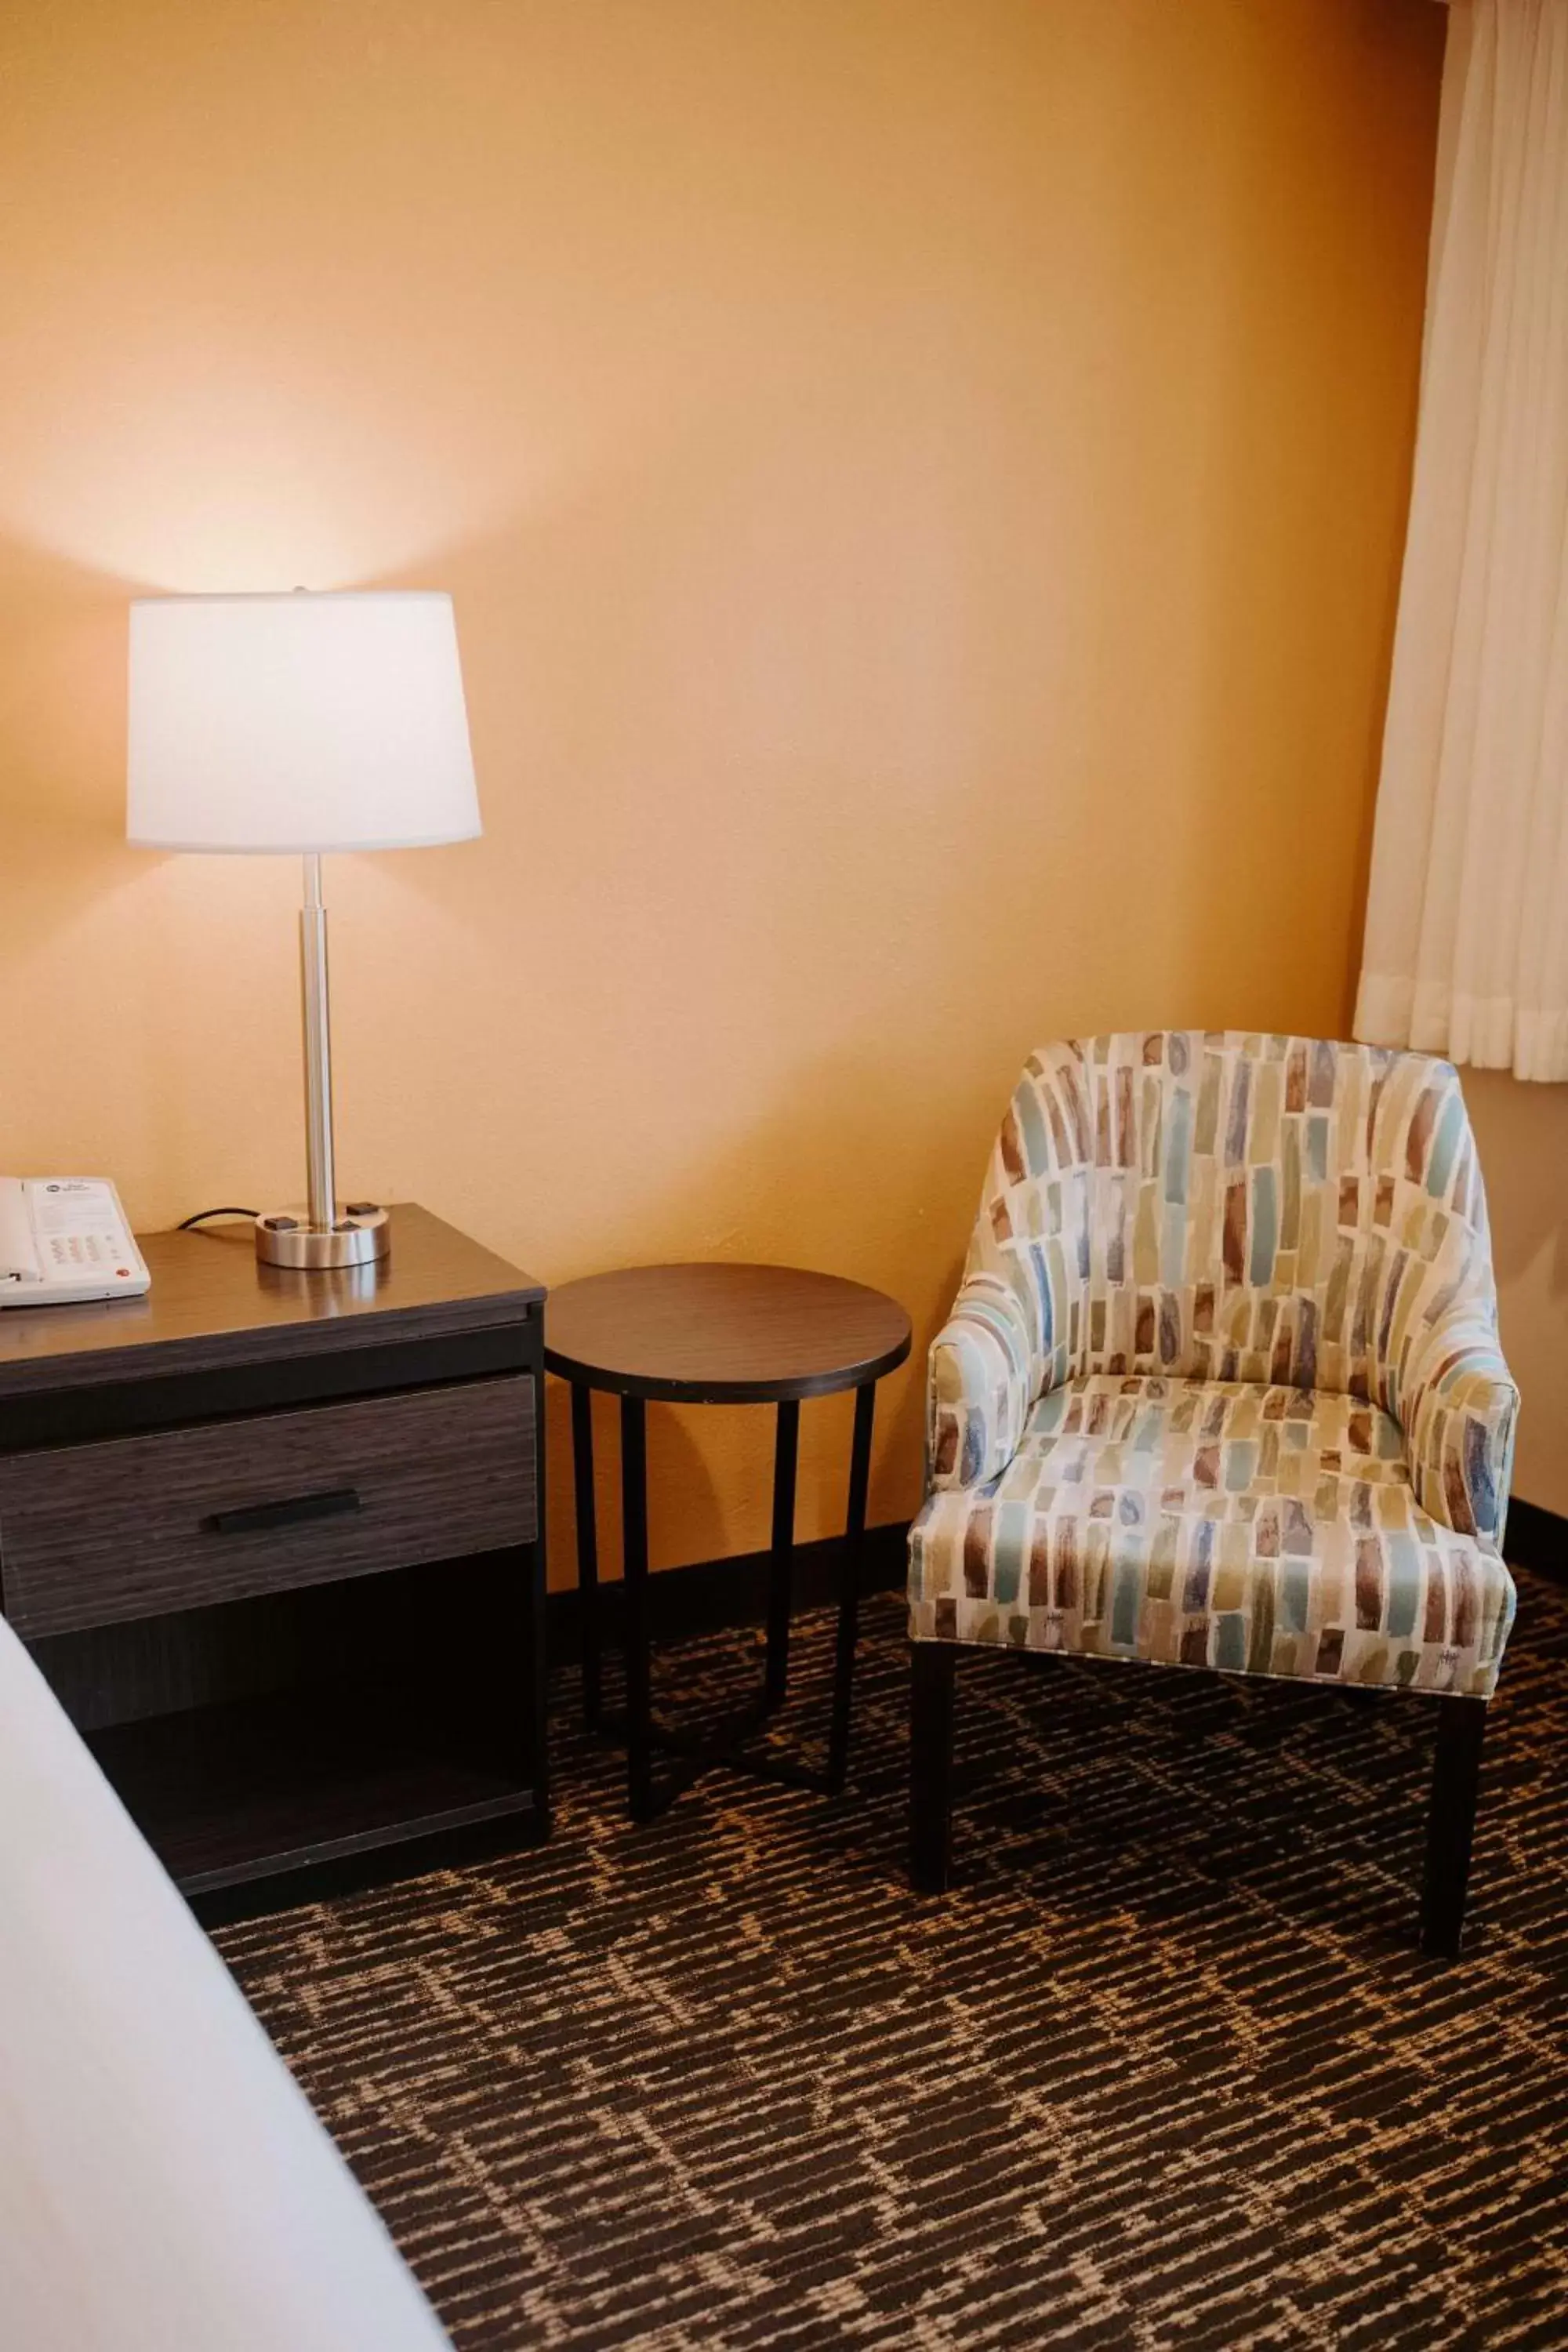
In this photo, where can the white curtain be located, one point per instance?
(1467, 931)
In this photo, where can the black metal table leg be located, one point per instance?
(685, 1754)
(786, 1453)
(634, 1522)
(849, 1589)
(587, 1548)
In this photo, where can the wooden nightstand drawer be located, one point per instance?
(139, 1526)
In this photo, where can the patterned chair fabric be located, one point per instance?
(1222, 1384)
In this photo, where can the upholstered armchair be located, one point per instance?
(1222, 1388)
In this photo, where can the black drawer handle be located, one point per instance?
(327, 1506)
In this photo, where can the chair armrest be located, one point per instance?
(1459, 1409)
(981, 1383)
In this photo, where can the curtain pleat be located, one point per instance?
(1465, 950)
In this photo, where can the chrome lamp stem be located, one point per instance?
(322, 1235)
(320, 1179)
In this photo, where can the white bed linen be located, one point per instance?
(164, 2186)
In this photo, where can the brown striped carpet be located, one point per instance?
(1162, 2071)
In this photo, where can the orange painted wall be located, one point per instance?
(922, 483)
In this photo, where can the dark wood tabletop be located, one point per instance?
(211, 1305)
(723, 1334)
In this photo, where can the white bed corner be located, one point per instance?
(164, 2186)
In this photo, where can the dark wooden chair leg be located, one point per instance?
(1450, 1828)
(931, 1764)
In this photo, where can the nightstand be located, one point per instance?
(277, 1541)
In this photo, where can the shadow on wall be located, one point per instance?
(63, 634)
(710, 1469)
(1521, 1132)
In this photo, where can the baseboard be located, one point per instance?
(710, 1595)
(1538, 1539)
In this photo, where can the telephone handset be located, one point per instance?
(63, 1238)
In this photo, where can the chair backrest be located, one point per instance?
(1233, 1206)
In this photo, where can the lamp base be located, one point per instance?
(359, 1234)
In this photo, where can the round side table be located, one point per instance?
(717, 1335)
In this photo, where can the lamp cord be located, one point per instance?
(203, 1215)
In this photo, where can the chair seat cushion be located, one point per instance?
(1213, 1523)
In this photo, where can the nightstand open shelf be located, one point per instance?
(359, 1717)
(258, 1788)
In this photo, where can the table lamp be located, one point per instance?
(303, 723)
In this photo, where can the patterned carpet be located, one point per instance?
(1163, 2070)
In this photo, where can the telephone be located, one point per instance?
(64, 1237)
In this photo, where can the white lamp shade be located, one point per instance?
(297, 722)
